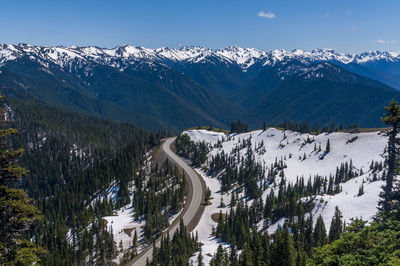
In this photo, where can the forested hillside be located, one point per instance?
(72, 158)
(147, 94)
(315, 93)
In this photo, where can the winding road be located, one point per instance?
(191, 206)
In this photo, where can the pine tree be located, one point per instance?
(233, 200)
(336, 225)
(289, 251)
(328, 147)
(392, 119)
(361, 190)
(121, 246)
(246, 256)
(320, 237)
(266, 248)
(220, 258)
(308, 234)
(200, 259)
(283, 251)
(16, 213)
(135, 239)
(233, 257)
(207, 195)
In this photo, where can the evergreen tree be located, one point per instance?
(320, 236)
(239, 127)
(283, 252)
(372, 245)
(336, 225)
(233, 256)
(16, 212)
(220, 258)
(266, 249)
(176, 251)
(386, 204)
(246, 256)
(328, 146)
(200, 259)
(361, 190)
(135, 239)
(207, 195)
(288, 248)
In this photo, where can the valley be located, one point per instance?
(200, 133)
(311, 172)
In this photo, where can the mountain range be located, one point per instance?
(167, 88)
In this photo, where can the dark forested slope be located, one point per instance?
(315, 93)
(71, 158)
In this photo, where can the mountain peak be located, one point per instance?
(126, 54)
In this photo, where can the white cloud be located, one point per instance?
(268, 14)
(385, 41)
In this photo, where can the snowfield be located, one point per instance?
(205, 225)
(300, 153)
(278, 143)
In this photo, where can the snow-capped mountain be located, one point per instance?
(381, 66)
(122, 56)
(190, 86)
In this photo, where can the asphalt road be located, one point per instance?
(189, 212)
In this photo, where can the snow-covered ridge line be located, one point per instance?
(127, 54)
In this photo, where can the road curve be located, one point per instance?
(189, 212)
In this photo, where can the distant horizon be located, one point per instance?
(346, 26)
(202, 46)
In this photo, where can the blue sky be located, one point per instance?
(346, 26)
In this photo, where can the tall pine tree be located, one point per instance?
(320, 232)
(336, 225)
(392, 119)
(16, 213)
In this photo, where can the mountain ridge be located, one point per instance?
(190, 86)
(245, 57)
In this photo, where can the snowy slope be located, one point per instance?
(278, 143)
(205, 225)
(360, 148)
